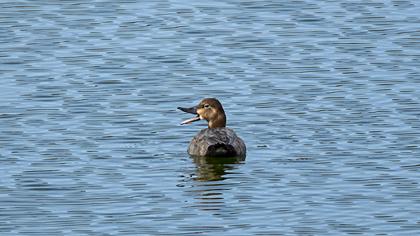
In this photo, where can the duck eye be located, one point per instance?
(207, 106)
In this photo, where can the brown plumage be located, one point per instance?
(216, 140)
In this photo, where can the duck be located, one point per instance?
(216, 140)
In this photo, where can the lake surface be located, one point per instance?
(326, 95)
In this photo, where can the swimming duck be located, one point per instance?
(216, 140)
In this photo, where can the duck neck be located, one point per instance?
(218, 122)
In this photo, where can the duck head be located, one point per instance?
(209, 109)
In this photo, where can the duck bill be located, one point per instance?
(190, 120)
(192, 110)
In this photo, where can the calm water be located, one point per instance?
(326, 95)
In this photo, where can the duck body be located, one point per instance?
(217, 140)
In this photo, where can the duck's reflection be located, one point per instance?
(207, 185)
(215, 168)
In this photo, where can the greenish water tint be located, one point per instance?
(324, 93)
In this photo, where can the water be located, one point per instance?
(325, 94)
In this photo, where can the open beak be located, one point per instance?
(192, 110)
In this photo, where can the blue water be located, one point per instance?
(326, 95)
